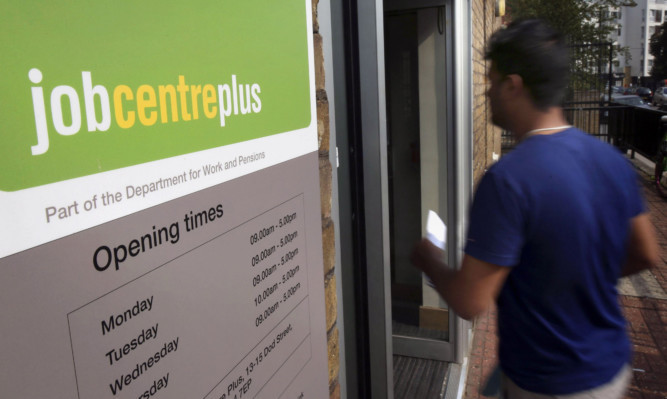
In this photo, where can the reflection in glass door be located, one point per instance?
(415, 68)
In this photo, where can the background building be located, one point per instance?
(635, 26)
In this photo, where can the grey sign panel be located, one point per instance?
(217, 294)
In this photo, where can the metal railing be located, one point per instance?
(637, 129)
(631, 128)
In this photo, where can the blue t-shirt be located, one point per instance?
(557, 210)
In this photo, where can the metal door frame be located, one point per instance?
(458, 166)
(363, 143)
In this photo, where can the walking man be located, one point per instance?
(553, 225)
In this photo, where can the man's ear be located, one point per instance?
(514, 83)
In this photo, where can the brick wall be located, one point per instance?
(328, 238)
(486, 136)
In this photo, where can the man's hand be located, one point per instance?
(427, 257)
(469, 291)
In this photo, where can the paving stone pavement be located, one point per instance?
(644, 303)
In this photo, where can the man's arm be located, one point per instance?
(468, 291)
(643, 251)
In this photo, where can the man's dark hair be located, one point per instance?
(536, 52)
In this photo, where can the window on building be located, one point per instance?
(650, 63)
(617, 63)
(618, 31)
(656, 15)
(651, 31)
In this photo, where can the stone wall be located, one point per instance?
(486, 136)
(328, 237)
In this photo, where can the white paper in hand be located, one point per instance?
(436, 230)
(436, 233)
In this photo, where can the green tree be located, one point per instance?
(658, 49)
(584, 22)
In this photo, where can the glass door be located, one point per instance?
(417, 120)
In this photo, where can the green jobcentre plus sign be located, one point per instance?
(88, 89)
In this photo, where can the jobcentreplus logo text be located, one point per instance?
(147, 105)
